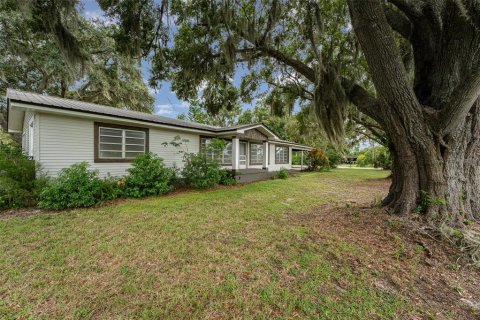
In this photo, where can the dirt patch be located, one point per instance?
(21, 213)
(432, 274)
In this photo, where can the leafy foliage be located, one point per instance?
(148, 177)
(18, 186)
(200, 172)
(383, 158)
(48, 47)
(227, 178)
(318, 159)
(197, 112)
(75, 187)
(335, 156)
(283, 173)
(294, 53)
(378, 157)
(362, 160)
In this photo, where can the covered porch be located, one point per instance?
(253, 152)
(300, 161)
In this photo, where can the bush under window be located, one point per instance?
(148, 176)
(75, 187)
(200, 172)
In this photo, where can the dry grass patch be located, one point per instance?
(242, 252)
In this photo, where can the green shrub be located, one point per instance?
(297, 158)
(18, 185)
(362, 160)
(383, 159)
(378, 157)
(200, 172)
(317, 159)
(75, 187)
(113, 187)
(283, 173)
(148, 176)
(227, 177)
(334, 156)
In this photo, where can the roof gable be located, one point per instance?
(253, 134)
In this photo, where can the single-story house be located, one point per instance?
(59, 132)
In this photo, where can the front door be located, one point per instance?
(243, 156)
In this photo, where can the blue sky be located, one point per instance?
(166, 102)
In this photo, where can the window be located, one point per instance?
(118, 143)
(281, 155)
(224, 157)
(256, 153)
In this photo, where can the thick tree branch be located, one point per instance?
(386, 65)
(471, 10)
(399, 22)
(412, 8)
(362, 99)
(460, 103)
(310, 33)
(299, 66)
(374, 129)
(271, 20)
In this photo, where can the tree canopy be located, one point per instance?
(49, 47)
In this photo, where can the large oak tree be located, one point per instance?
(422, 56)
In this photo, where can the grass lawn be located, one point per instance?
(243, 252)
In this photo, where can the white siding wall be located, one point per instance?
(276, 167)
(68, 140)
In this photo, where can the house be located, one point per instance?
(59, 132)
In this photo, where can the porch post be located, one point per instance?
(301, 165)
(235, 153)
(265, 155)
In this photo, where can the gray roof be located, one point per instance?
(87, 107)
(73, 105)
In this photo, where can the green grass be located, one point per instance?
(229, 253)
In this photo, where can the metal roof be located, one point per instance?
(87, 107)
(74, 105)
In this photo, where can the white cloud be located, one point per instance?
(183, 104)
(93, 14)
(164, 109)
(97, 16)
(152, 91)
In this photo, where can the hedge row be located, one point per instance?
(78, 186)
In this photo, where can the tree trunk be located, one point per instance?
(435, 150)
(64, 88)
(443, 181)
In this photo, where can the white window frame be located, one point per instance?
(259, 156)
(123, 143)
(225, 158)
(284, 156)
